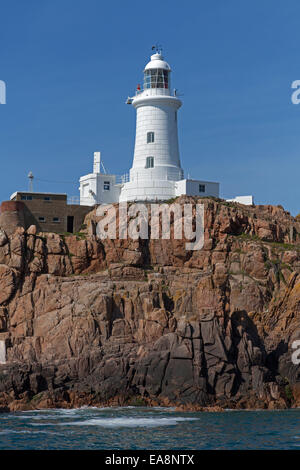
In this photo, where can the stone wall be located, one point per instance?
(25, 213)
(12, 215)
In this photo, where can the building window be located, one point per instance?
(201, 188)
(47, 198)
(149, 162)
(106, 186)
(26, 198)
(42, 219)
(56, 219)
(150, 137)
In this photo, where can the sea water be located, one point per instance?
(149, 428)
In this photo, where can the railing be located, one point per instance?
(121, 179)
(73, 200)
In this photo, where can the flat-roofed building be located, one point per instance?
(50, 212)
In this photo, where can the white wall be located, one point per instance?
(88, 183)
(150, 190)
(107, 196)
(92, 189)
(191, 188)
(156, 111)
(158, 116)
(246, 200)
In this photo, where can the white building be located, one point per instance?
(97, 187)
(156, 172)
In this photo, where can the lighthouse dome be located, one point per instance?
(157, 62)
(157, 73)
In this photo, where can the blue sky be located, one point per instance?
(70, 65)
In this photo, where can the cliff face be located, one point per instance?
(122, 321)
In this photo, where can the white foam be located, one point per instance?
(15, 416)
(12, 431)
(129, 422)
(65, 410)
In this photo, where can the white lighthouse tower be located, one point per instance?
(156, 163)
(156, 173)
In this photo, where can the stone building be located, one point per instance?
(50, 212)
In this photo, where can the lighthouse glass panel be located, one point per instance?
(156, 78)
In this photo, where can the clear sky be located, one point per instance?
(69, 66)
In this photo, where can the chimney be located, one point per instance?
(96, 162)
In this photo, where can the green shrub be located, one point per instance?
(288, 392)
(137, 401)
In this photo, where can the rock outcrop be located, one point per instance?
(86, 321)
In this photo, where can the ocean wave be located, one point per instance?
(129, 422)
(12, 431)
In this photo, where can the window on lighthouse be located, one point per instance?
(150, 137)
(150, 162)
(156, 78)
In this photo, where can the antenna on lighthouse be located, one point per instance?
(157, 48)
(30, 177)
(103, 167)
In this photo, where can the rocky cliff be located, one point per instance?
(90, 322)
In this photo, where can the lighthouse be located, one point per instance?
(156, 173)
(156, 161)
